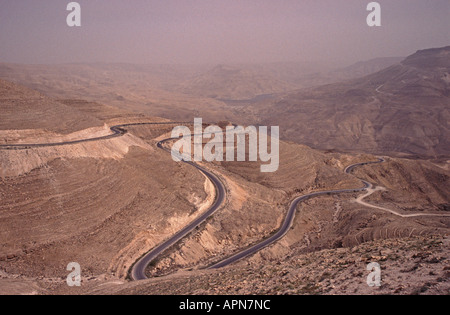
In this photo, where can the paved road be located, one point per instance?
(138, 270)
(117, 131)
(289, 220)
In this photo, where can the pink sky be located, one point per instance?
(218, 31)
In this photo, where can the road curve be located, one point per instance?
(117, 131)
(138, 270)
(289, 220)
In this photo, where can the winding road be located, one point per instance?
(117, 131)
(137, 271)
(371, 191)
(289, 220)
(139, 268)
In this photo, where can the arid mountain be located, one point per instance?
(99, 203)
(353, 71)
(245, 82)
(22, 108)
(175, 91)
(233, 83)
(153, 90)
(413, 266)
(106, 203)
(404, 108)
(363, 68)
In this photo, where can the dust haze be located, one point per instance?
(326, 32)
(87, 120)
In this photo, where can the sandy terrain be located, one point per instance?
(104, 204)
(410, 266)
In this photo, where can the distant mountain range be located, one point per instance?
(243, 82)
(384, 105)
(403, 108)
(234, 83)
(26, 109)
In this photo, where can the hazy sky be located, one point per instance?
(218, 31)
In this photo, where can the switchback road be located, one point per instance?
(117, 131)
(289, 220)
(138, 270)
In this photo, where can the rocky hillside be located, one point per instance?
(23, 108)
(410, 267)
(234, 83)
(404, 108)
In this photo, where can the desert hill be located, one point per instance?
(404, 108)
(23, 108)
(363, 68)
(233, 83)
(180, 92)
(353, 71)
(105, 204)
(412, 266)
(100, 203)
(150, 89)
